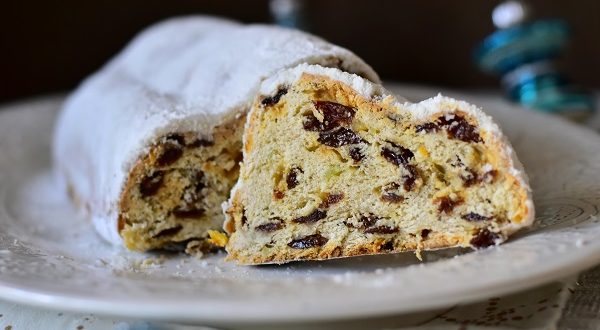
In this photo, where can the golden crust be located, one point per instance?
(436, 241)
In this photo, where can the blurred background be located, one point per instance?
(49, 46)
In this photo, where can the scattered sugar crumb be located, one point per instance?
(152, 262)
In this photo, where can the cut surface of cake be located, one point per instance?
(149, 146)
(335, 166)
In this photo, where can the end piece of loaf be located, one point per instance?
(149, 146)
(335, 166)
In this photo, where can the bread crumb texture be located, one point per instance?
(173, 196)
(330, 173)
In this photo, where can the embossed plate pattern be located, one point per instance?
(50, 256)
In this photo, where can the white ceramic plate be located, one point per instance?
(50, 256)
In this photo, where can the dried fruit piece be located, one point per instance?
(389, 193)
(484, 238)
(472, 216)
(470, 178)
(397, 154)
(331, 199)
(168, 232)
(308, 242)
(150, 184)
(199, 181)
(311, 123)
(170, 154)
(278, 194)
(446, 204)
(188, 212)
(458, 128)
(334, 114)
(244, 218)
(271, 226)
(217, 238)
(381, 230)
(411, 177)
(387, 246)
(339, 137)
(368, 220)
(427, 128)
(271, 100)
(315, 216)
(201, 143)
(425, 233)
(391, 198)
(356, 154)
(292, 177)
(489, 176)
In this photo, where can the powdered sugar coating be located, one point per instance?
(185, 74)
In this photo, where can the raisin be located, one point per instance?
(201, 143)
(458, 128)
(308, 242)
(168, 232)
(150, 184)
(271, 100)
(381, 230)
(335, 114)
(315, 216)
(199, 181)
(356, 154)
(292, 177)
(170, 154)
(489, 176)
(188, 212)
(311, 123)
(388, 246)
(339, 137)
(244, 218)
(411, 177)
(475, 217)
(427, 128)
(447, 204)
(331, 199)
(470, 178)
(397, 154)
(368, 220)
(483, 239)
(278, 194)
(270, 226)
(177, 138)
(391, 198)
(425, 233)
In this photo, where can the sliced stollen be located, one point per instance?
(149, 146)
(335, 166)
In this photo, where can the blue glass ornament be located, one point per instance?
(523, 54)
